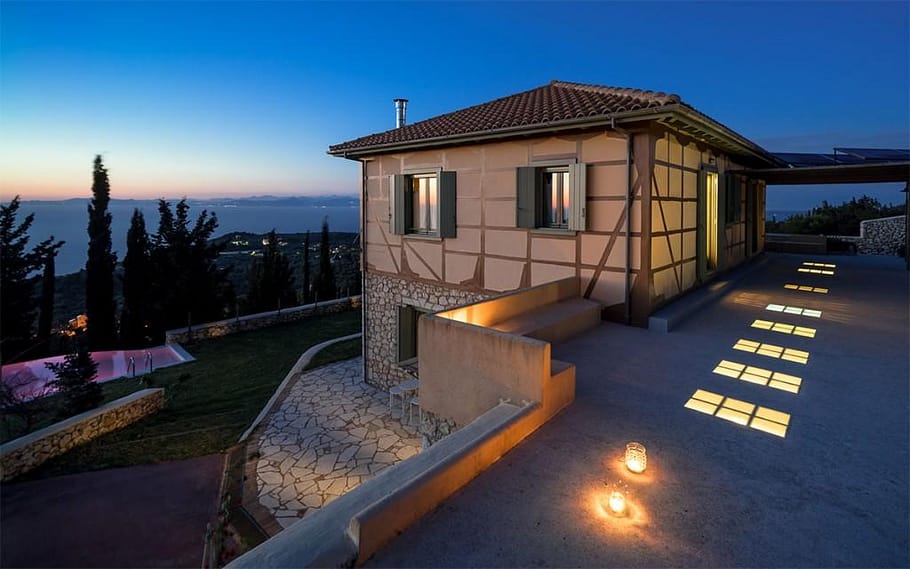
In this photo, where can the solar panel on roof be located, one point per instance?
(876, 154)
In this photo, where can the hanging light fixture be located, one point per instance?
(636, 457)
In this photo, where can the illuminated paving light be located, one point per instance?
(784, 328)
(815, 271)
(740, 412)
(760, 376)
(772, 351)
(805, 288)
(795, 310)
(823, 265)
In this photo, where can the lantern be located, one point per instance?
(636, 457)
(617, 503)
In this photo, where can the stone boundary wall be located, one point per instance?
(261, 320)
(882, 236)
(25, 453)
(384, 294)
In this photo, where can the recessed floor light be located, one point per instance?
(815, 271)
(760, 376)
(805, 288)
(795, 310)
(772, 351)
(740, 412)
(784, 328)
(823, 265)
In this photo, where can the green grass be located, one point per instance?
(209, 402)
(336, 352)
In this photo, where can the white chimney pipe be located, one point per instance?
(401, 111)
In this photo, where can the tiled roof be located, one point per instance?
(551, 104)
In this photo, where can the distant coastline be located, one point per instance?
(68, 219)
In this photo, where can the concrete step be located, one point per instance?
(554, 322)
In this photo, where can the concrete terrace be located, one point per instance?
(832, 492)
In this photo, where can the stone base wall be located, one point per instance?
(261, 320)
(383, 295)
(883, 236)
(25, 453)
(434, 428)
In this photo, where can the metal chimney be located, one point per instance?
(401, 111)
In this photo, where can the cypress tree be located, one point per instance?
(271, 279)
(136, 276)
(325, 279)
(99, 268)
(307, 293)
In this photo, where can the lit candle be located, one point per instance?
(617, 502)
(636, 457)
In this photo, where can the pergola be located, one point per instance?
(843, 166)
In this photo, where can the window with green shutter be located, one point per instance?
(551, 197)
(423, 204)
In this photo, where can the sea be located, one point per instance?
(68, 220)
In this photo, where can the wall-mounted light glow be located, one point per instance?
(795, 310)
(772, 351)
(740, 412)
(815, 271)
(806, 288)
(636, 457)
(759, 376)
(784, 328)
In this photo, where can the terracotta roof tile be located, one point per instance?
(556, 102)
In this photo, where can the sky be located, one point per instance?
(220, 99)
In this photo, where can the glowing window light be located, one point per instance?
(824, 265)
(636, 457)
(784, 328)
(815, 271)
(795, 310)
(772, 351)
(806, 288)
(740, 412)
(759, 376)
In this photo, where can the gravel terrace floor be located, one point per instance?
(330, 433)
(833, 492)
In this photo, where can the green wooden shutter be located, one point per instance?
(399, 204)
(407, 333)
(578, 200)
(701, 233)
(447, 201)
(526, 212)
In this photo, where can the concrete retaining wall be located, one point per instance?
(261, 320)
(25, 453)
(352, 528)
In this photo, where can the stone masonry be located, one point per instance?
(25, 453)
(331, 433)
(384, 294)
(882, 236)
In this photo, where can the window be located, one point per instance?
(733, 198)
(407, 333)
(552, 197)
(423, 204)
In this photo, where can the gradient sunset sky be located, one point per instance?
(236, 99)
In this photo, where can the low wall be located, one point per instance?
(796, 243)
(353, 527)
(25, 453)
(882, 236)
(261, 320)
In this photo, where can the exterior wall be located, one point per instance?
(384, 294)
(25, 453)
(490, 254)
(673, 242)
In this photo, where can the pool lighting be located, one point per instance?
(784, 328)
(795, 310)
(740, 412)
(806, 288)
(636, 457)
(759, 376)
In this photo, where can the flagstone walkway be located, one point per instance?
(331, 433)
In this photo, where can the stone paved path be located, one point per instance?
(331, 433)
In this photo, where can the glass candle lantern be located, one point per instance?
(636, 457)
(617, 503)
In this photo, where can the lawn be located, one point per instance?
(336, 352)
(209, 402)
